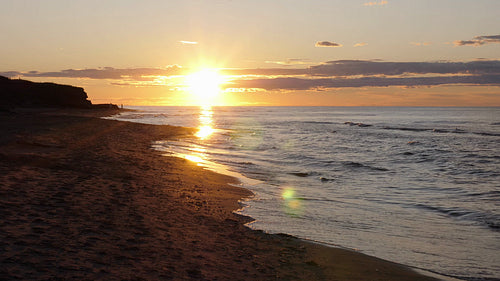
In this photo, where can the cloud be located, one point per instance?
(11, 74)
(294, 83)
(337, 68)
(331, 74)
(291, 62)
(327, 44)
(479, 41)
(421, 43)
(375, 3)
(360, 44)
(369, 68)
(103, 73)
(188, 42)
(265, 72)
(361, 73)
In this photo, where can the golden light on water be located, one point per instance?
(194, 158)
(204, 132)
(205, 129)
(197, 154)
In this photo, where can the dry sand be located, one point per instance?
(88, 199)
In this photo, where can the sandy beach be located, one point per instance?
(88, 199)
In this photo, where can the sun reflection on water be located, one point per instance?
(204, 132)
(198, 149)
(197, 153)
(194, 158)
(205, 129)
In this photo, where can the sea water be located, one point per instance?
(419, 186)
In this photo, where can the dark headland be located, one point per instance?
(83, 198)
(17, 93)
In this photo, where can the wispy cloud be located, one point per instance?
(360, 44)
(479, 41)
(421, 44)
(375, 3)
(188, 42)
(327, 44)
(103, 73)
(291, 62)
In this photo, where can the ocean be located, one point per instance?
(415, 185)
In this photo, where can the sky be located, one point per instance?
(279, 52)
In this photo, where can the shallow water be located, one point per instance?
(419, 186)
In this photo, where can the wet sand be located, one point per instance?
(88, 199)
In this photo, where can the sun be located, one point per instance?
(205, 86)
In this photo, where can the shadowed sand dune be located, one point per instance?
(86, 198)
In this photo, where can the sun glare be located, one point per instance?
(204, 85)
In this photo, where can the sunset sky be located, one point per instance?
(279, 52)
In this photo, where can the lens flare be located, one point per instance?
(292, 205)
(288, 194)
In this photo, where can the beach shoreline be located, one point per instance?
(87, 198)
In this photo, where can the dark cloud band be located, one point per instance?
(324, 83)
(479, 41)
(362, 67)
(102, 73)
(327, 44)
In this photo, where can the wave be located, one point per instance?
(406, 129)
(321, 178)
(493, 193)
(357, 124)
(131, 116)
(300, 174)
(443, 131)
(492, 221)
(237, 163)
(357, 165)
(434, 130)
(324, 179)
(487, 134)
(318, 122)
(305, 174)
